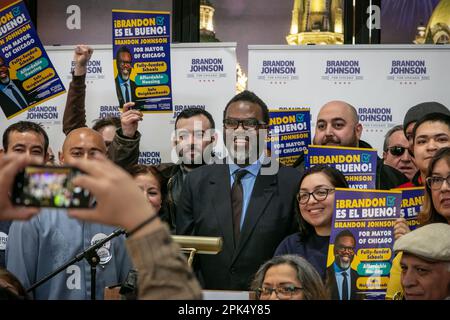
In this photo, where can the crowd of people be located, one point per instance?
(275, 223)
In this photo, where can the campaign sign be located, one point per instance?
(141, 49)
(361, 243)
(412, 201)
(358, 165)
(289, 134)
(27, 76)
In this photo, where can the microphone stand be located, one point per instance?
(90, 254)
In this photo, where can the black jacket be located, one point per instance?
(205, 210)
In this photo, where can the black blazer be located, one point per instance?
(331, 284)
(119, 92)
(205, 210)
(8, 106)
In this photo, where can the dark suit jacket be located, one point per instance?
(205, 210)
(8, 106)
(119, 92)
(331, 284)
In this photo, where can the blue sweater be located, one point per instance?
(314, 250)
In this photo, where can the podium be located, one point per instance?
(190, 245)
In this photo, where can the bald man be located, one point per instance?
(338, 125)
(39, 246)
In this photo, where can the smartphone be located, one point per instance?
(48, 186)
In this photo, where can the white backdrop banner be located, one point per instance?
(203, 75)
(381, 81)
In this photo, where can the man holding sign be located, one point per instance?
(338, 125)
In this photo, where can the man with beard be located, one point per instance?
(125, 87)
(13, 98)
(243, 200)
(341, 278)
(193, 142)
(338, 125)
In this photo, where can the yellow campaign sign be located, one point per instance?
(150, 67)
(375, 254)
(372, 283)
(25, 58)
(156, 91)
(38, 79)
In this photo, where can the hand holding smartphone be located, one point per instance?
(48, 186)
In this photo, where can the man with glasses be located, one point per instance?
(396, 154)
(239, 200)
(338, 125)
(341, 278)
(125, 87)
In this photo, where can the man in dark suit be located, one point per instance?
(13, 98)
(125, 87)
(242, 200)
(341, 278)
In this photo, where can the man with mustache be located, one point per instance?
(243, 200)
(425, 262)
(193, 143)
(341, 278)
(338, 125)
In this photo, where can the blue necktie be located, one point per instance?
(22, 103)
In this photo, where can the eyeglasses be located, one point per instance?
(436, 182)
(318, 194)
(283, 293)
(397, 151)
(246, 123)
(342, 249)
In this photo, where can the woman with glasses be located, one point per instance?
(435, 209)
(288, 277)
(315, 206)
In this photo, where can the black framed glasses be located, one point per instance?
(343, 249)
(397, 151)
(318, 194)
(436, 182)
(283, 292)
(247, 124)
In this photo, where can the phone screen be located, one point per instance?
(46, 186)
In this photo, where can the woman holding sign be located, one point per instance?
(435, 209)
(315, 207)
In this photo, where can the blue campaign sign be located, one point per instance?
(27, 76)
(358, 165)
(412, 200)
(289, 134)
(141, 48)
